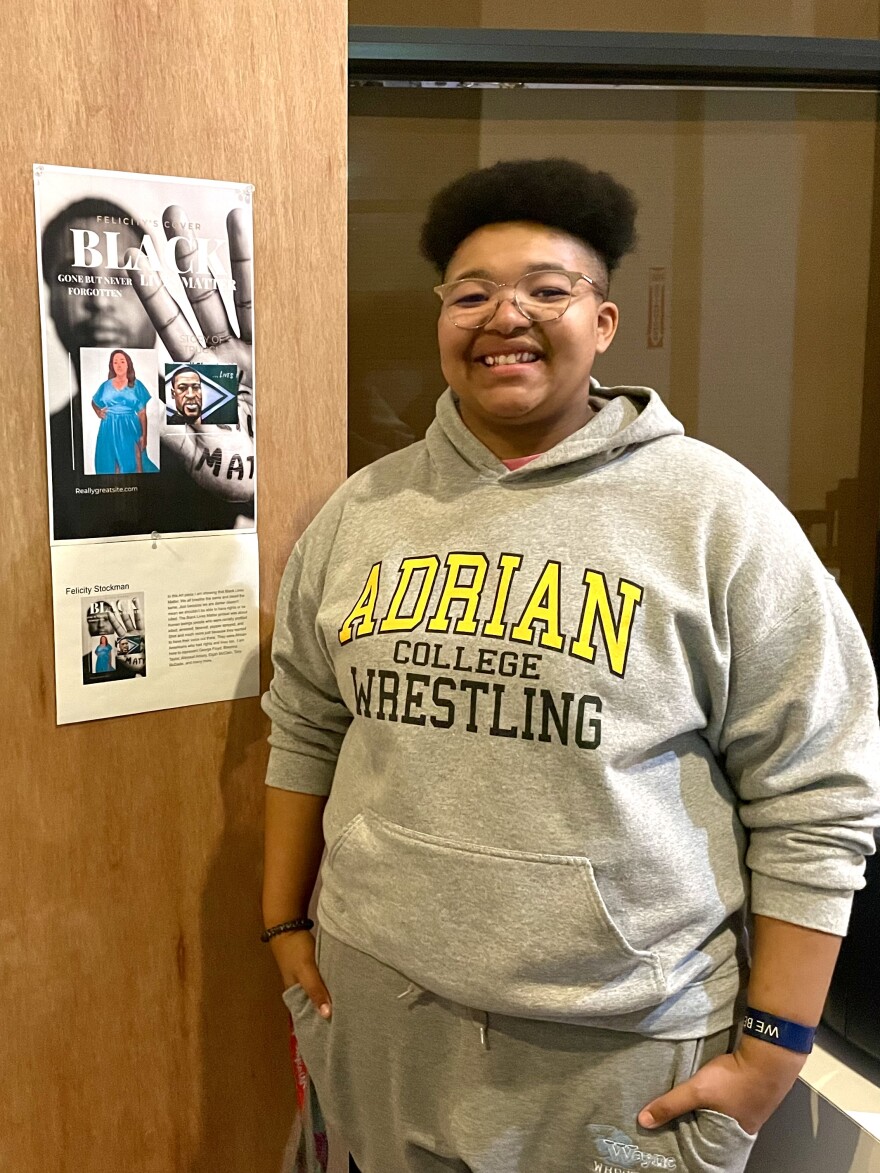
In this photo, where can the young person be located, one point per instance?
(574, 706)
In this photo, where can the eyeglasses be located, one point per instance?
(541, 296)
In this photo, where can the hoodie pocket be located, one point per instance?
(511, 932)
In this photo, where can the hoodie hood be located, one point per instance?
(626, 417)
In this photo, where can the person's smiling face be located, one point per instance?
(527, 406)
(120, 366)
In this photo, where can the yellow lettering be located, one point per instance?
(362, 612)
(542, 607)
(508, 564)
(454, 590)
(409, 567)
(615, 635)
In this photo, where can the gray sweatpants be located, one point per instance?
(414, 1083)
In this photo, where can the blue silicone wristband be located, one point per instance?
(779, 1031)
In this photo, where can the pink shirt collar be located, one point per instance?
(520, 461)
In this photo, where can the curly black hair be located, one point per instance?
(558, 193)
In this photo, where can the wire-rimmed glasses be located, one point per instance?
(540, 296)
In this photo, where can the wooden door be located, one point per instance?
(142, 1030)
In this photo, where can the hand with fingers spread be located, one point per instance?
(221, 458)
(103, 619)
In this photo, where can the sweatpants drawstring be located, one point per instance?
(482, 1020)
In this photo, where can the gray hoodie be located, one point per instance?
(575, 721)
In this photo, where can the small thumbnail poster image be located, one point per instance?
(113, 638)
(201, 395)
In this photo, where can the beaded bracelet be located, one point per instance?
(288, 926)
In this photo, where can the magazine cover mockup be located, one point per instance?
(146, 294)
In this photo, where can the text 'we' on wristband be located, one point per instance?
(794, 1036)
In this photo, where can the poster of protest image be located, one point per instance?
(113, 637)
(147, 316)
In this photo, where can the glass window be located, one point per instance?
(746, 304)
(783, 18)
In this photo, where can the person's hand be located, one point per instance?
(220, 343)
(101, 413)
(106, 621)
(295, 954)
(232, 477)
(748, 1085)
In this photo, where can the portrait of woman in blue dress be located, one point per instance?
(103, 653)
(120, 403)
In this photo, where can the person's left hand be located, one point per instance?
(748, 1085)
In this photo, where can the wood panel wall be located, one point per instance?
(142, 1030)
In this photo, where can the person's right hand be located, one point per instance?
(233, 478)
(295, 954)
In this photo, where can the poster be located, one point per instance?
(146, 300)
(154, 625)
(146, 306)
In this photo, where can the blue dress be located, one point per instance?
(102, 658)
(120, 429)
